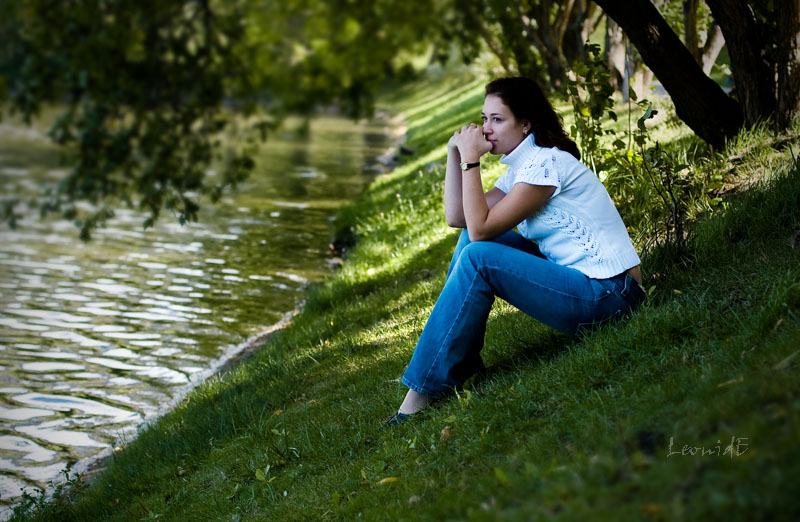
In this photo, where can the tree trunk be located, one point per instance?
(615, 53)
(592, 16)
(755, 79)
(713, 46)
(643, 81)
(788, 62)
(544, 35)
(583, 20)
(520, 47)
(630, 69)
(493, 45)
(690, 28)
(699, 101)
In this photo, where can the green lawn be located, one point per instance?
(605, 427)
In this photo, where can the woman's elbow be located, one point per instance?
(454, 222)
(478, 236)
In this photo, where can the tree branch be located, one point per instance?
(713, 46)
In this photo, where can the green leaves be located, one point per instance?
(590, 92)
(648, 114)
(264, 476)
(143, 84)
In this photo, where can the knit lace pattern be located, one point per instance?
(574, 228)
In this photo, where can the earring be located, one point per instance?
(525, 132)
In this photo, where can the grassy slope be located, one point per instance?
(562, 428)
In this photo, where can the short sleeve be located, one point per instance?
(504, 182)
(542, 169)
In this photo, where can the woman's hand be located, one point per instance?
(451, 143)
(471, 142)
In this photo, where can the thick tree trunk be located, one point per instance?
(699, 101)
(788, 62)
(755, 80)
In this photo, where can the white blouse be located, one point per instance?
(579, 227)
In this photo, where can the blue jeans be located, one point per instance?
(512, 268)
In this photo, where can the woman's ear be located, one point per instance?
(526, 127)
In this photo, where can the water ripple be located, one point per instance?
(68, 403)
(30, 450)
(96, 337)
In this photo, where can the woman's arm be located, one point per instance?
(453, 199)
(453, 209)
(483, 222)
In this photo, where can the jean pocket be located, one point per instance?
(615, 298)
(603, 288)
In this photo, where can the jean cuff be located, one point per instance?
(423, 391)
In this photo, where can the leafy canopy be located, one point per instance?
(148, 86)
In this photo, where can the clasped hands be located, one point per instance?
(470, 143)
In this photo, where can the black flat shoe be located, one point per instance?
(397, 418)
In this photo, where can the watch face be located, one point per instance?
(463, 166)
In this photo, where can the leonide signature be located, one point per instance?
(737, 447)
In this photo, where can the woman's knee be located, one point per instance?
(478, 253)
(463, 241)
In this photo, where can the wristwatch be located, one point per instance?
(467, 166)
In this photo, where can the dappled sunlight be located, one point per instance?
(438, 104)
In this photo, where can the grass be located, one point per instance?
(600, 427)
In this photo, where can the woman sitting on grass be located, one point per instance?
(571, 265)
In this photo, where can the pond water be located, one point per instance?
(97, 338)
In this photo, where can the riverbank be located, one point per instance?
(689, 410)
(100, 338)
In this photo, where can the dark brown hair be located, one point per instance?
(527, 102)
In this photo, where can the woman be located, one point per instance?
(572, 263)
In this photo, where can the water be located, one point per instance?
(97, 338)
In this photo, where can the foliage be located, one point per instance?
(62, 493)
(656, 189)
(673, 13)
(589, 90)
(149, 88)
(534, 38)
(305, 54)
(137, 122)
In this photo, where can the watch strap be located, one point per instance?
(467, 166)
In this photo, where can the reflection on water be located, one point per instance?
(97, 338)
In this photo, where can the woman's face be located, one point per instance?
(500, 127)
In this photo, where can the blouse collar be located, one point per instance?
(516, 157)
